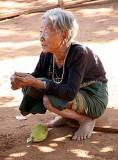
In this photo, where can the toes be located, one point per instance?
(75, 137)
(84, 137)
(79, 138)
(84, 131)
(88, 136)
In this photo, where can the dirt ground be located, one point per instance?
(19, 51)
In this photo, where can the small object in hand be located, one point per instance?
(20, 74)
(39, 133)
(12, 77)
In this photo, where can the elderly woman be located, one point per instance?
(69, 79)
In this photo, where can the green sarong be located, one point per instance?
(90, 101)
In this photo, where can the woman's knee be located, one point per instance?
(48, 105)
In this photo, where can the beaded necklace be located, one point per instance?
(57, 79)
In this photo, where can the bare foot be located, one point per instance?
(58, 121)
(85, 130)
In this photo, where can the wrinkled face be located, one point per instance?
(50, 40)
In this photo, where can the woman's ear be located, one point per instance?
(65, 38)
(65, 35)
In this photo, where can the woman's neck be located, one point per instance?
(60, 56)
(61, 53)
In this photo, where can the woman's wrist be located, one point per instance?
(44, 82)
(34, 83)
(39, 84)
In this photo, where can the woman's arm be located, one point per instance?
(19, 80)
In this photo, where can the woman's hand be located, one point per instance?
(69, 105)
(19, 80)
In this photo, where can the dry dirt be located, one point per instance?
(19, 51)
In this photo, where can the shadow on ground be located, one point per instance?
(21, 35)
(58, 145)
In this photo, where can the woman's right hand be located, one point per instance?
(15, 83)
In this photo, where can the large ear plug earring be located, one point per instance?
(64, 41)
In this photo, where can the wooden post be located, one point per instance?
(61, 4)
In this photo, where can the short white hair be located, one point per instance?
(62, 21)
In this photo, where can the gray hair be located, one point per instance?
(63, 21)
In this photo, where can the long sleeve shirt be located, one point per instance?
(81, 66)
